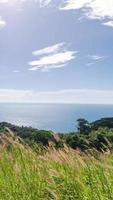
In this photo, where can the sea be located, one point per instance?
(60, 118)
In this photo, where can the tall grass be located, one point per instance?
(55, 175)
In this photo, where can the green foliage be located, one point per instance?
(76, 141)
(104, 122)
(54, 175)
(84, 126)
(98, 139)
(97, 135)
(43, 137)
(30, 172)
(30, 134)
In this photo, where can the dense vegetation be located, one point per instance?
(29, 134)
(98, 134)
(57, 172)
(54, 175)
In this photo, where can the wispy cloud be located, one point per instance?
(3, 1)
(93, 59)
(109, 23)
(42, 3)
(16, 71)
(96, 57)
(90, 64)
(92, 9)
(55, 56)
(2, 23)
(82, 96)
(52, 49)
(74, 4)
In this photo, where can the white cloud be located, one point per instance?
(42, 3)
(82, 96)
(101, 9)
(52, 49)
(93, 9)
(16, 71)
(3, 1)
(95, 57)
(2, 23)
(54, 59)
(109, 23)
(90, 64)
(74, 4)
(55, 56)
(54, 67)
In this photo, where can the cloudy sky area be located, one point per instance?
(56, 51)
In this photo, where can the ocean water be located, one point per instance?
(56, 117)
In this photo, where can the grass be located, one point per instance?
(53, 175)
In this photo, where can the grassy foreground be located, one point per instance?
(56, 174)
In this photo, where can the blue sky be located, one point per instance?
(56, 51)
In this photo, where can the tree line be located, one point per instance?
(97, 134)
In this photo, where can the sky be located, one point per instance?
(56, 51)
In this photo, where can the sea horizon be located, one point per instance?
(57, 117)
(57, 103)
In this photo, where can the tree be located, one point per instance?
(104, 122)
(43, 137)
(84, 126)
(76, 141)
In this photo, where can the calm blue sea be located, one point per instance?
(56, 117)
